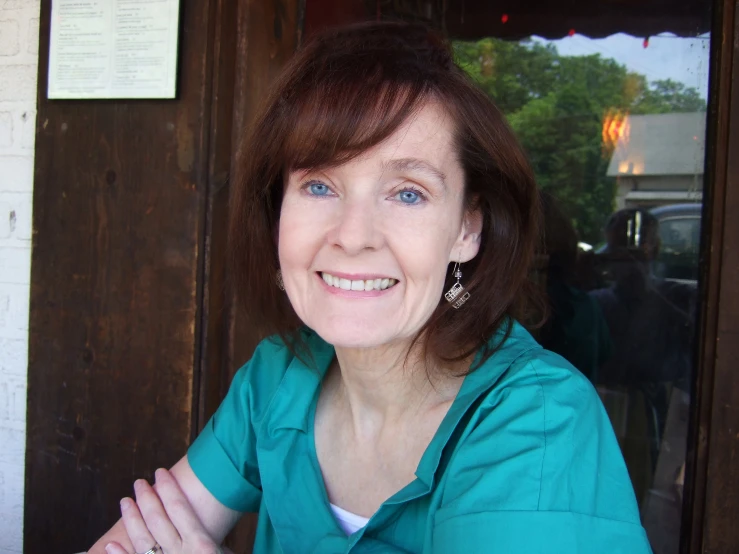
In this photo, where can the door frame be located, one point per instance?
(711, 503)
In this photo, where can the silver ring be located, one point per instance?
(154, 549)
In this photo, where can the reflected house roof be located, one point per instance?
(661, 144)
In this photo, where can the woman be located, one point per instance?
(402, 408)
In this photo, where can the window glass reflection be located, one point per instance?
(615, 131)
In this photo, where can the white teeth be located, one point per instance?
(359, 285)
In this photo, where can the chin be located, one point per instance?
(354, 334)
(348, 338)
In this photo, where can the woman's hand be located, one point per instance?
(163, 517)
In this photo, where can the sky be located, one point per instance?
(666, 56)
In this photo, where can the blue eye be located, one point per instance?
(318, 189)
(409, 196)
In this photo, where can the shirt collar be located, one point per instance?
(294, 401)
(474, 387)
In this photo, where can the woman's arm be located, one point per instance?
(217, 519)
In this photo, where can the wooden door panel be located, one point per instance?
(116, 289)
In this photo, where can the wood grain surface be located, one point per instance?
(712, 508)
(116, 286)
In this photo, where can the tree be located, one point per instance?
(561, 135)
(668, 96)
(513, 73)
(557, 105)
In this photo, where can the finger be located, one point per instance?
(155, 517)
(177, 505)
(141, 539)
(115, 548)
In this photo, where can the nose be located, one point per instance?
(356, 228)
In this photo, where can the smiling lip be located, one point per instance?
(355, 277)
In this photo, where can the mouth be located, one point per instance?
(376, 284)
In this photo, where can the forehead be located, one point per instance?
(427, 135)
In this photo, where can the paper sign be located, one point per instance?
(113, 49)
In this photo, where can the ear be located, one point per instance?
(468, 243)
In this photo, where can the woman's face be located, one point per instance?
(364, 246)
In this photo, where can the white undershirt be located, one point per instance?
(349, 522)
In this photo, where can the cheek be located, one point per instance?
(291, 248)
(423, 247)
(298, 238)
(289, 234)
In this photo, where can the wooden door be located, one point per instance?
(129, 317)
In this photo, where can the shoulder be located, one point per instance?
(545, 396)
(560, 385)
(257, 381)
(267, 365)
(528, 380)
(576, 434)
(539, 440)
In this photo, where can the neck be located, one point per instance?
(384, 385)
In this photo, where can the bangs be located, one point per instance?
(340, 117)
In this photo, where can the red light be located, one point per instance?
(504, 18)
(572, 32)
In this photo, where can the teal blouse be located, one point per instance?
(525, 461)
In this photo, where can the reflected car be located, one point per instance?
(680, 232)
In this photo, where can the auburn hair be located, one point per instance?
(345, 91)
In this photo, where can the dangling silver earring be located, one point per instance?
(278, 279)
(456, 295)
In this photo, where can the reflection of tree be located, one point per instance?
(557, 105)
(669, 96)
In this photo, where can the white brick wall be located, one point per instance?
(19, 27)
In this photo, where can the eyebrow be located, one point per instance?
(414, 164)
